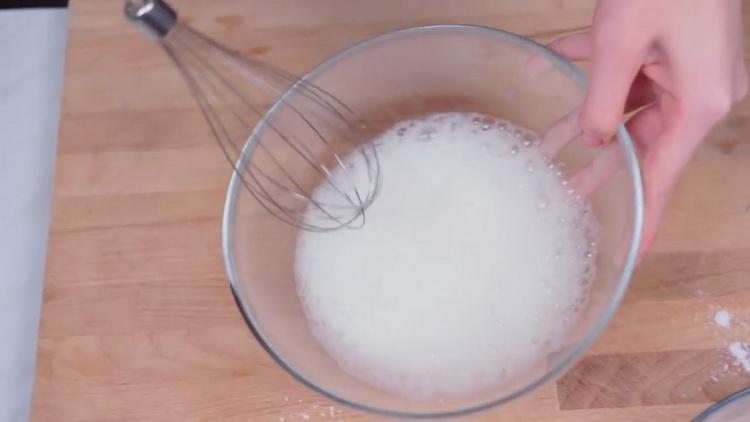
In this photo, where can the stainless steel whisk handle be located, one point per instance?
(154, 17)
(281, 171)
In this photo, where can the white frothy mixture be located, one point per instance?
(471, 267)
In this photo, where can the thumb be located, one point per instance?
(614, 66)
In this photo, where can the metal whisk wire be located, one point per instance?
(276, 173)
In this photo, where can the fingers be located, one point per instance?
(560, 133)
(644, 127)
(603, 108)
(598, 172)
(740, 82)
(665, 156)
(661, 168)
(617, 54)
(567, 128)
(740, 77)
(636, 91)
(573, 47)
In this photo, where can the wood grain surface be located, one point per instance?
(138, 323)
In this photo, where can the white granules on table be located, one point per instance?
(723, 318)
(739, 352)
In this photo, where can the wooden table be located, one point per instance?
(138, 323)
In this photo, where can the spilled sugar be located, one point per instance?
(723, 318)
(739, 352)
(472, 266)
(299, 410)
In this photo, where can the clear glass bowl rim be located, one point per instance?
(631, 162)
(722, 404)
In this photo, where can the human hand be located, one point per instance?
(678, 64)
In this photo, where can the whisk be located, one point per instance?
(298, 146)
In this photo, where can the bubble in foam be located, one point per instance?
(542, 202)
(427, 133)
(487, 123)
(441, 293)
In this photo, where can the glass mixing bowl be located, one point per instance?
(733, 408)
(404, 74)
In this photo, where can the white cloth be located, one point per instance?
(32, 43)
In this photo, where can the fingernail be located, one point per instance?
(591, 140)
(536, 65)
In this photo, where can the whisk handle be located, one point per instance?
(154, 17)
